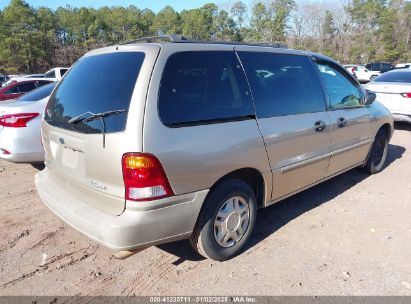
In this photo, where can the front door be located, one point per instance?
(351, 131)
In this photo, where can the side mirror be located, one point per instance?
(369, 97)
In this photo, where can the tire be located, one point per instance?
(208, 235)
(38, 166)
(378, 153)
(373, 77)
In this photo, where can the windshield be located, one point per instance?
(39, 93)
(96, 84)
(395, 76)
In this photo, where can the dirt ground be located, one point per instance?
(348, 236)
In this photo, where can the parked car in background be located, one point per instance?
(403, 66)
(52, 75)
(379, 66)
(361, 73)
(18, 88)
(3, 79)
(148, 143)
(20, 139)
(56, 73)
(393, 90)
(34, 76)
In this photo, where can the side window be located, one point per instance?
(63, 71)
(341, 91)
(27, 87)
(202, 87)
(51, 74)
(41, 83)
(13, 90)
(283, 84)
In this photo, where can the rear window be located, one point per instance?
(96, 84)
(51, 74)
(27, 87)
(203, 87)
(395, 76)
(39, 93)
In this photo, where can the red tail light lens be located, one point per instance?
(406, 95)
(5, 152)
(144, 177)
(17, 120)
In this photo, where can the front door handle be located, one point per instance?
(341, 122)
(319, 126)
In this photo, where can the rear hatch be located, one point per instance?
(93, 117)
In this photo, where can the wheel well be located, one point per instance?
(250, 176)
(387, 128)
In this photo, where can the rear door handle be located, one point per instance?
(341, 122)
(319, 126)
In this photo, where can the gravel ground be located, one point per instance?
(348, 236)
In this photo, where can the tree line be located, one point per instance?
(351, 31)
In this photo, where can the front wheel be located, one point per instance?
(378, 153)
(226, 221)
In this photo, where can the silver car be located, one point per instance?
(151, 142)
(20, 120)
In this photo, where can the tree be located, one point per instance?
(21, 48)
(167, 21)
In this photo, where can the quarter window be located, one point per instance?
(283, 84)
(342, 92)
(203, 87)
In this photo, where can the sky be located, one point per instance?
(154, 5)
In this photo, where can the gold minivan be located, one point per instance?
(160, 140)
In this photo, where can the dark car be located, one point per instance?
(380, 66)
(3, 79)
(16, 89)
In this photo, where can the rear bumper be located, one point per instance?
(156, 222)
(23, 144)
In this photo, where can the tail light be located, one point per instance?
(144, 177)
(353, 70)
(17, 120)
(5, 152)
(406, 95)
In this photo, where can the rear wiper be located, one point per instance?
(94, 116)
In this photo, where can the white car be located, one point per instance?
(362, 73)
(55, 74)
(393, 90)
(403, 65)
(20, 119)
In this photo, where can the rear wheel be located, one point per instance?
(373, 77)
(378, 154)
(226, 221)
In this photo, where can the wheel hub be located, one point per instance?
(231, 221)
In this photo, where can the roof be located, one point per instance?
(182, 39)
